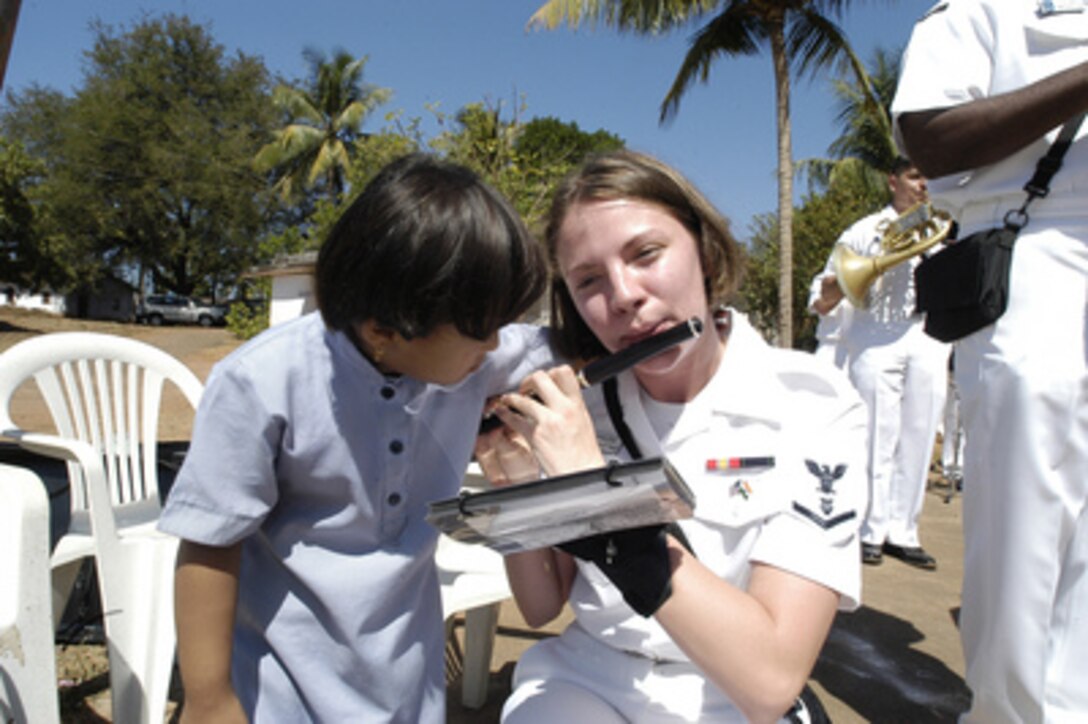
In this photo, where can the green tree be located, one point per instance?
(20, 249)
(324, 119)
(865, 146)
(818, 222)
(800, 34)
(525, 161)
(548, 141)
(548, 149)
(149, 165)
(56, 253)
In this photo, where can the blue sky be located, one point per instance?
(451, 53)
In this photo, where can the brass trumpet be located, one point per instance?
(912, 233)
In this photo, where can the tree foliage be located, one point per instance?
(524, 161)
(818, 223)
(865, 146)
(147, 168)
(324, 118)
(149, 163)
(23, 260)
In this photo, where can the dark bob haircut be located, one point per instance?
(635, 176)
(428, 243)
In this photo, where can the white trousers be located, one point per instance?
(903, 381)
(833, 352)
(576, 679)
(952, 427)
(1024, 396)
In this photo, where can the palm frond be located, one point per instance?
(640, 16)
(814, 42)
(296, 104)
(734, 32)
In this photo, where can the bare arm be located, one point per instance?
(205, 598)
(563, 440)
(759, 645)
(541, 579)
(943, 141)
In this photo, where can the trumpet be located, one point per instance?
(912, 233)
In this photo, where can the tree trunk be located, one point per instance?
(785, 186)
(9, 14)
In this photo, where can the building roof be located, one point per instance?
(286, 264)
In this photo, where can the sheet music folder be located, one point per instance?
(547, 512)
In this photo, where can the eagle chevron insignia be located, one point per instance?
(825, 523)
(827, 477)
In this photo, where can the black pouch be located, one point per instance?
(965, 287)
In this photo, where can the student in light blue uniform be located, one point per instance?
(306, 586)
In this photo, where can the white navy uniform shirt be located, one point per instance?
(802, 515)
(891, 298)
(1001, 46)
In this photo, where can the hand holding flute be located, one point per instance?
(611, 365)
(549, 412)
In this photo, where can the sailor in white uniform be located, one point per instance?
(986, 85)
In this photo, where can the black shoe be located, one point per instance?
(870, 554)
(914, 555)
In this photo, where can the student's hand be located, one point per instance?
(637, 561)
(549, 412)
(505, 457)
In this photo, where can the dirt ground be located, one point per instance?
(896, 659)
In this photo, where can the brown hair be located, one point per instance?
(630, 175)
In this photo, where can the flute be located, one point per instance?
(611, 365)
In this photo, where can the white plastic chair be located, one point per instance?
(28, 670)
(473, 580)
(104, 394)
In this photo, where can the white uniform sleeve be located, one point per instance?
(816, 534)
(931, 77)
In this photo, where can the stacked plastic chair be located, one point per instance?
(104, 395)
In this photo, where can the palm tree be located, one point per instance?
(9, 14)
(324, 120)
(866, 147)
(799, 34)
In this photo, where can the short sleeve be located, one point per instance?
(815, 535)
(227, 483)
(948, 60)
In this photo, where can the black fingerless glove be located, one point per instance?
(635, 560)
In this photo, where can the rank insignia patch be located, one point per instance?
(827, 476)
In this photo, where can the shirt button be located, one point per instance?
(393, 499)
(388, 392)
(396, 447)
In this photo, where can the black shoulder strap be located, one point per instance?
(615, 414)
(1039, 185)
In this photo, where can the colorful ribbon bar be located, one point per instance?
(739, 463)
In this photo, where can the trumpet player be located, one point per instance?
(900, 373)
